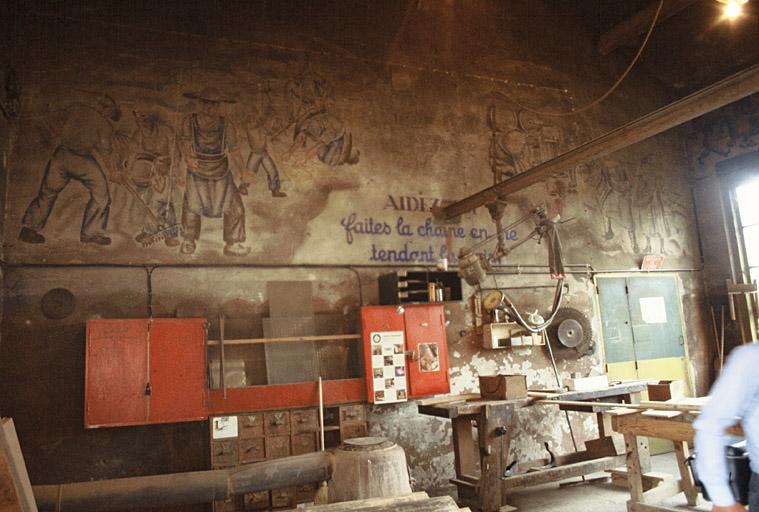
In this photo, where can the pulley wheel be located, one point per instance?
(570, 333)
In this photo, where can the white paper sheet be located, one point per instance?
(653, 310)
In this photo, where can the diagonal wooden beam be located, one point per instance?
(724, 92)
(628, 30)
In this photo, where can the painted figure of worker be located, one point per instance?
(733, 398)
(209, 143)
(148, 176)
(84, 153)
(261, 129)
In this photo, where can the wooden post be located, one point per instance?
(494, 447)
(634, 471)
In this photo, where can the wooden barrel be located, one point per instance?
(368, 467)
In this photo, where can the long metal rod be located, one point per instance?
(724, 92)
(183, 488)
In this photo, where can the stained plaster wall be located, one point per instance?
(385, 122)
(715, 139)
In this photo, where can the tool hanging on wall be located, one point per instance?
(474, 266)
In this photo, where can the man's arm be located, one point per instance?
(730, 396)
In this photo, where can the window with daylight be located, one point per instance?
(747, 205)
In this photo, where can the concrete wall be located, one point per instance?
(369, 120)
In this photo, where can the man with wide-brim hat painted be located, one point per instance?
(209, 142)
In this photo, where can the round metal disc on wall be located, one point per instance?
(57, 303)
(570, 334)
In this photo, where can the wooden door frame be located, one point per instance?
(678, 291)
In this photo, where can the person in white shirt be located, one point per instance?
(734, 397)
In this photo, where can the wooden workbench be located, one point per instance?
(481, 465)
(678, 428)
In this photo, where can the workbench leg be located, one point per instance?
(464, 448)
(494, 453)
(634, 470)
(604, 425)
(682, 452)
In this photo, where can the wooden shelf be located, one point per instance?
(290, 339)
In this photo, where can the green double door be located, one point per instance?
(643, 330)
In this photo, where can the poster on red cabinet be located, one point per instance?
(388, 367)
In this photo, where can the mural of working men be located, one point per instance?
(209, 142)
(261, 129)
(316, 132)
(149, 178)
(84, 153)
(615, 201)
(506, 154)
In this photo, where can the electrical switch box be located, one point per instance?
(405, 352)
(144, 371)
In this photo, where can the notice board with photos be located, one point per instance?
(405, 352)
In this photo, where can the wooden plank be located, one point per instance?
(724, 92)
(665, 490)
(599, 406)
(606, 446)
(627, 31)
(348, 506)
(448, 399)
(562, 472)
(9, 498)
(662, 414)
(643, 507)
(650, 479)
(288, 339)
(663, 428)
(15, 489)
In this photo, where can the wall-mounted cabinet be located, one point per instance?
(143, 371)
(405, 352)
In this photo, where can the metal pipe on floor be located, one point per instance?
(183, 488)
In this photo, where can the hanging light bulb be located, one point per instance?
(732, 8)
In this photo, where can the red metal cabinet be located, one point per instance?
(426, 341)
(144, 371)
(419, 367)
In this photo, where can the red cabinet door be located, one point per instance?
(177, 370)
(116, 373)
(428, 360)
(378, 323)
(144, 371)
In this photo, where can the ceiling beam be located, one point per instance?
(630, 29)
(717, 95)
